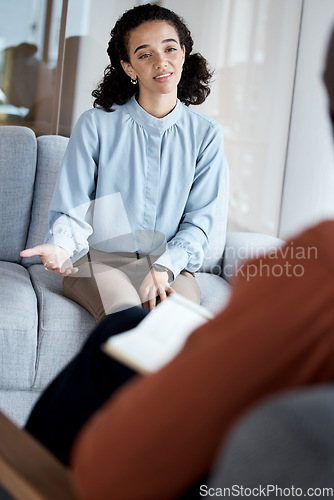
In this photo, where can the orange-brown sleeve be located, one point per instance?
(158, 434)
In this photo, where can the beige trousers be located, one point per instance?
(110, 282)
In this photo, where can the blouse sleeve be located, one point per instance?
(186, 249)
(71, 205)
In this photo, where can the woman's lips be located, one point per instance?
(163, 77)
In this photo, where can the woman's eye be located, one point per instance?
(143, 56)
(171, 49)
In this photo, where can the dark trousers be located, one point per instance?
(82, 387)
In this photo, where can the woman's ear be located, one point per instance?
(128, 69)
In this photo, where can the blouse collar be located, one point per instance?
(151, 122)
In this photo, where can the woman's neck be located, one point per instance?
(158, 106)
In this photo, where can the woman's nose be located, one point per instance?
(160, 62)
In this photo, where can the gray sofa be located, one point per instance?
(40, 330)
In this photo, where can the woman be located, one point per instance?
(135, 198)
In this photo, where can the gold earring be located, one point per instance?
(134, 81)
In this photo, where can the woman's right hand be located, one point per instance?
(54, 258)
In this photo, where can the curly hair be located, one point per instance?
(116, 87)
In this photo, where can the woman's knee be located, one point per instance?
(186, 285)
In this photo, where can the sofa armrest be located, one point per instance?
(242, 246)
(27, 470)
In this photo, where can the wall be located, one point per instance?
(308, 194)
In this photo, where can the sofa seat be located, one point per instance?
(63, 325)
(18, 333)
(215, 291)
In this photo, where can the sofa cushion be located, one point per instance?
(17, 405)
(241, 247)
(215, 291)
(18, 328)
(63, 325)
(17, 171)
(50, 152)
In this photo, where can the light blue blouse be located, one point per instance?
(133, 182)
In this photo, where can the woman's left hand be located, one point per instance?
(155, 285)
